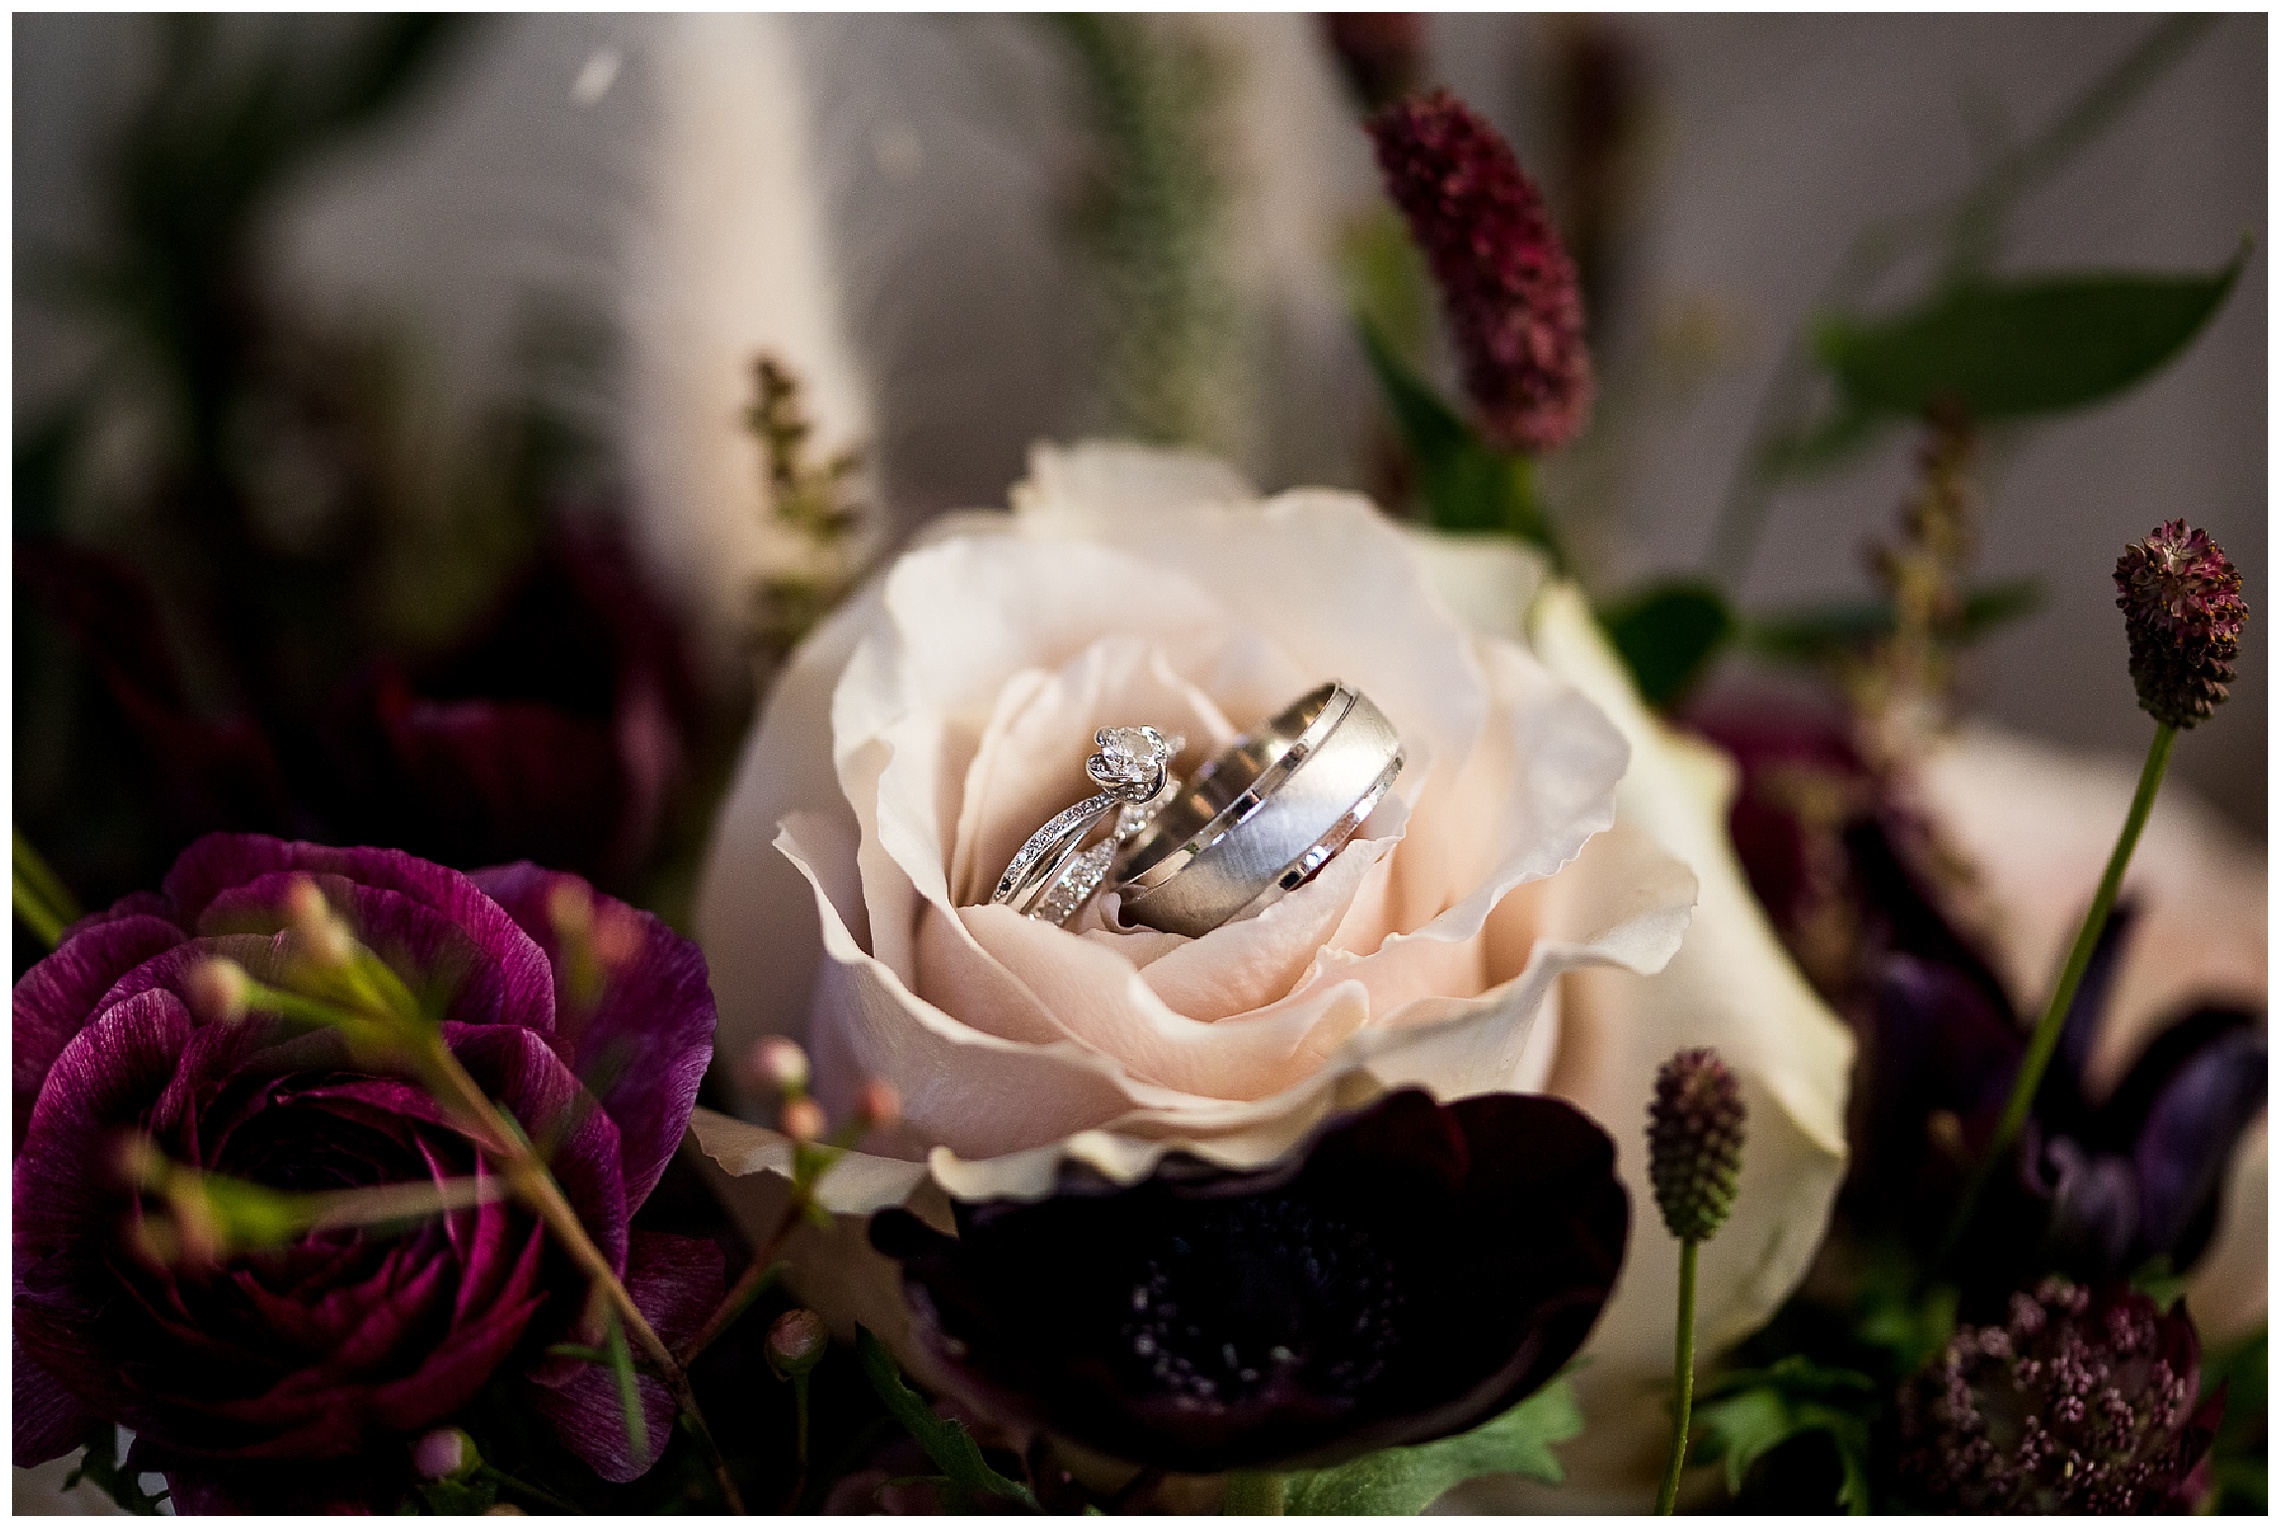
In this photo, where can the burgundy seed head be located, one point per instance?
(2181, 598)
(1694, 1142)
(1514, 307)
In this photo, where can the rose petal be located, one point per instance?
(676, 1281)
(48, 1420)
(54, 998)
(643, 1046)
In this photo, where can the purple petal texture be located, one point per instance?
(342, 1345)
(677, 1281)
(55, 997)
(643, 1043)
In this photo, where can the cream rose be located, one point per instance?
(1496, 926)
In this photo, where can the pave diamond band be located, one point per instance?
(1262, 817)
(1054, 873)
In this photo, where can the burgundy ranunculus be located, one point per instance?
(301, 1375)
(1415, 1270)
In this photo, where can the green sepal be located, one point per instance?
(1668, 635)
(2004, 349)
(946, 1441)
(1408, 1480)
(1747, 1414)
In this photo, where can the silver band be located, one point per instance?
(1264, 816)
(1053, 874)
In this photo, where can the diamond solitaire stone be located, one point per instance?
(1130, 763)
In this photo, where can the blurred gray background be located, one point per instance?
(947, 156)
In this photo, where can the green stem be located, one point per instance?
(1255, 1493)
(42, 900)
(1682, 1412)
(2044, 1043)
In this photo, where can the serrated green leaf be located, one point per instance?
(1812, 633)
(2003, 349)
(1744, 1416)
(947, 1443)
(1404, 1481)
(1668, 635)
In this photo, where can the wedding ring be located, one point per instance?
(1257, 821)
(1053, 874)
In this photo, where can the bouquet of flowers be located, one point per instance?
(1198, 1001)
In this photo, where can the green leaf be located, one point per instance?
(1408, 1480)
(1668, 635)
(1812, 633)
(1467, 485)
(1746, 1415)
(946, 1442)
(2002, 349)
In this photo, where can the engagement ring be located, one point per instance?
(1259, 820)
(1054, 874)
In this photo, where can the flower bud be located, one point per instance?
(1510, 291)
(797, 1342)
(2076, 1404)
(802, 1119)
(570, 907)
(217, 990)
(322, 938)
(878, 1106)
(780, 1064)
(1694, 1142)
(446, 1453)
(2181, 599)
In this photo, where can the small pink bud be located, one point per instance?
(446, 1453)
(618, 935)
(802, 1119)
(141, 1163)
(797, 1342)
(322, 938)
(570, 906)
(780, 1064)
(878, 1106)
(217, 990)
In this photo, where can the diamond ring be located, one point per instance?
(1261, 818)
(1053, 874)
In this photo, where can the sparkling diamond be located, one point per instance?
(1130, 754)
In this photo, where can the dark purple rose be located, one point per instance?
(589, 1021)
(1415, 1270)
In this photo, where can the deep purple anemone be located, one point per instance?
(1413, 1271)
(241, 1378)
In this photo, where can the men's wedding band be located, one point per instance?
(1262, 817)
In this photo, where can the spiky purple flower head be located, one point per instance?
(2079, 1403)
(1694, 1142)
(2181, 597)
(1510, 290)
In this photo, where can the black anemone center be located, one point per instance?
(1260, 1290)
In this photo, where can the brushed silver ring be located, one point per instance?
(1260, 819)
